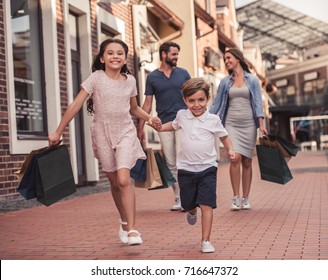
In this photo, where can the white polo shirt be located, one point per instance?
(197, 146)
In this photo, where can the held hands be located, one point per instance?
(155, 123)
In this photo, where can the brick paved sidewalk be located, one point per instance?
(286, 222)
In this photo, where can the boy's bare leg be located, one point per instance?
(207, 220)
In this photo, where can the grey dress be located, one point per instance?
(240, 122)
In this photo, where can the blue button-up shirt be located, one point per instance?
(221, 102)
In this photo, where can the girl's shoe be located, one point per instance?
(134, 240)
(123, 234)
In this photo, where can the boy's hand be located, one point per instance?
(232, 155)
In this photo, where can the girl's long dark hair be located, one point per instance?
(98, 65)
(239, 55)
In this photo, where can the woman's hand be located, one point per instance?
(263, 130)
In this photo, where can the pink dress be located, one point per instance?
(114, 135)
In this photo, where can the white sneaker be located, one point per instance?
(245, 205)
(177, 205)
(207, 247)
(235, 206)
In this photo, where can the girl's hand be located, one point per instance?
(155, 123)
(53, 138)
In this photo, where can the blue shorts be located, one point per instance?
(197, 188)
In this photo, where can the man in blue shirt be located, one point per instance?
(165, 84)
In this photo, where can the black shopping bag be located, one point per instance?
(139, 171)
(287, 145)
(273, 166)
(166, 175)
(54, 175)
(287, 148)
(27, 185)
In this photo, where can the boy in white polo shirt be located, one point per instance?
(196, 160)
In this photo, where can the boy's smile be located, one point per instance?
(197, 103)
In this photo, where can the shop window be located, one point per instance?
(28, 69)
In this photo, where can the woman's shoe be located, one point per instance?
(134, 240)
(123, 234)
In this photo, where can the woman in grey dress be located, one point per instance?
(239, 105)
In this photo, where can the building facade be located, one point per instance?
(47, 51)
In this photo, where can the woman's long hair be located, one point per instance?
(239, 55)
(98, 65)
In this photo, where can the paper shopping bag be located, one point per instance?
(165, 173)
(272, 164)
(153, 177)
(54, 175)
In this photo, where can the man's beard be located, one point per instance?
(171, 62)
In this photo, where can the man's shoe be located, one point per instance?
(207, 247)
(235, 206)
(177, 205)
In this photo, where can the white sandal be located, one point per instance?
(134, 240)
(123, 234)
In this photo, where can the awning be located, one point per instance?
(204, 16)
(279, 30)
(165, 14)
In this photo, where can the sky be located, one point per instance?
(315, 8)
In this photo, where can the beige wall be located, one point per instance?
(188, 57)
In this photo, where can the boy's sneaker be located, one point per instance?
(207, 247)
(235, 206)
(177, 205)
(192, 219)
(245, 205)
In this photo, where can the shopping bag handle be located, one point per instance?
(268, 138)
(54, 145)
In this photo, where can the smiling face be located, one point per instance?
(171, 58)
(230, 61)
(114, 56)
(197, 103)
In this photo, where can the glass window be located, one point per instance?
(28, 70)
(107, 32)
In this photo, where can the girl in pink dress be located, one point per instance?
(112, 91)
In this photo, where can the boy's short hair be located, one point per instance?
(193, 85)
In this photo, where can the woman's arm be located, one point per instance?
(69, 114)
